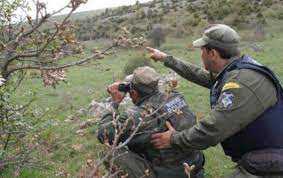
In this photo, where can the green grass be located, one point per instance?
(89, 82)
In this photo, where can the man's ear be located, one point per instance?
(215, 53)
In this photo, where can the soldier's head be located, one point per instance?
(143, 82)
(218, 44)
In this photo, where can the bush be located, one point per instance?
(267, 3)
(231, 19)
(217, 9)
(193, 20)
(280, 15)
(135, 62)
(274, 12)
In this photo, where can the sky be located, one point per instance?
(101, 4)
(91, 4)
(54, 5)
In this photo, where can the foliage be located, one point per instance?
(159, 12)
(38, 43)
(274, 12)
(193, 20)
(267, 3)
(216, 10)
(134, 62)
(18, 130)
(32, 46)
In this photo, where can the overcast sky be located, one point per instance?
(91, 4)
(53, 5)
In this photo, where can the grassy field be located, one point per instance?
(89, 82)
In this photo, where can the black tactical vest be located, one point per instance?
(267, 130)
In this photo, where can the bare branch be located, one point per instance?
(22, 35)
(94, 56)
(14, 43)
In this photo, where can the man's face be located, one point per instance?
(134, 96)
(206, 60)
(209, 59)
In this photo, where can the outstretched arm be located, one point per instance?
(187, 70)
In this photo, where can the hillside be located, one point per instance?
(178, 17)
(69, 148)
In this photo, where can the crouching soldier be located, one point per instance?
(152, 113)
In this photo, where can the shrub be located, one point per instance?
(192, 20)
(274, 12)
(135, 62)
(280, 15)
(267, 3)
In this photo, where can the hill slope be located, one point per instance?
(179, 17)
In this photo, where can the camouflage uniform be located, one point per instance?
(229, 116)
(141, 157)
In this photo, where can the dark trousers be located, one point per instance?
(240, 172)
(134, 166)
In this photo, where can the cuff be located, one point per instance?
(174, 140)
(169, 61)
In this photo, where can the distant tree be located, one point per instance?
(153, 4)
(259, 27)
(106, 12)
(140, 14)
(267, 3)
(166, 8)
(137, 3)
(157, 35)
(149, 13)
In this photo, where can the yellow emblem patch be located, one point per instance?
(230, 85)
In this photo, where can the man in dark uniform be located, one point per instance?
(152, 112)
(246, 106)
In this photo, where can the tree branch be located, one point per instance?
(94, 56)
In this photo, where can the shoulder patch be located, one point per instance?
(176, 104)
(227, 100)
(230, 85)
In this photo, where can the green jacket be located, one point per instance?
(172, 108)
(253, 94)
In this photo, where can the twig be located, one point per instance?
(94, 56)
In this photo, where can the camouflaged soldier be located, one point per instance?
(154, 109)
(246, 106)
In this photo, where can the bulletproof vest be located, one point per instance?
(267, 130)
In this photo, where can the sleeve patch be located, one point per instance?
(230, 85)
(227, 100)
(175, 104)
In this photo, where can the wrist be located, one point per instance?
(168, 60)
(163, 57)
(173, 139)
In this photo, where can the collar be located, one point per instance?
(231, 61)
(143, 99)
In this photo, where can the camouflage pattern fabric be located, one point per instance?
(166, 163)
(219, 35)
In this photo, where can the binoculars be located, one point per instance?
(124, 87)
